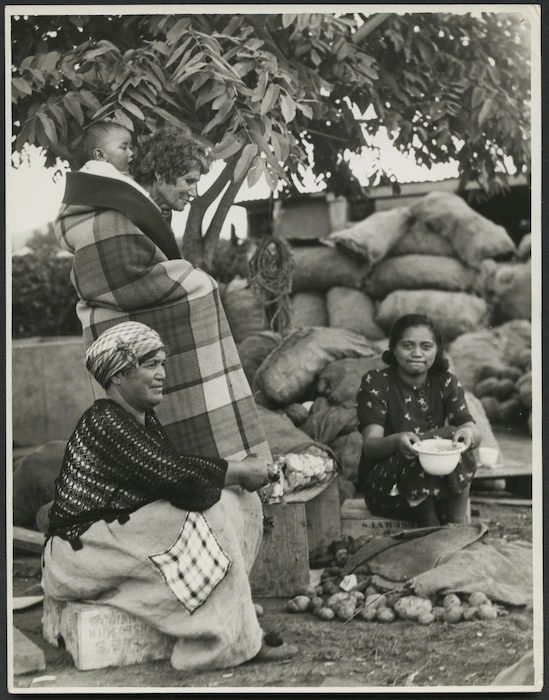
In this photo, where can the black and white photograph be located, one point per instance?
(273, 356)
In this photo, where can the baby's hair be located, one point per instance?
(411, 321)
(94, 134)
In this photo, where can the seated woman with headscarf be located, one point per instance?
(141, 527)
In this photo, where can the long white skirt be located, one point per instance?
(114, 567)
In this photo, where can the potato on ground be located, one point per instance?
(487, 612)
(409, 607)
(324, 614)
(384, 614)
(452, 614)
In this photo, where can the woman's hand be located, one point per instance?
(405, 442)
(251, 473)
(464, 435)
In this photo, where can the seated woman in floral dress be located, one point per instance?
(415, 398)
(137, 525)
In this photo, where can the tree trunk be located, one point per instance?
(197, 248)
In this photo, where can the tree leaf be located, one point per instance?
(255, 172)
(269, 98)
(22, 85)
(478, 96)
(246, 157)
(219, 117)
(209, 93)
(73, 107)
(167, 116)
(288, 107)
(49, 127)
(123, 119)
(94, 53)
(178, 52)
(220, 100)
(305, 109)
(486, 110)
(288, 20)
(199, 81)
(133, 109)
(228, 146)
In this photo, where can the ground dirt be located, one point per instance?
(352, 654)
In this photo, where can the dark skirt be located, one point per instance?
(412, 483)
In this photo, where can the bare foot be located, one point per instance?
(278, 653)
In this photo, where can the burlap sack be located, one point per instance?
(473, 237)
(419, 272)
(243, 310)
(421, 241)
(453, 313)
(476, 356)
(353, 310)
(340, 381)
(372, 238)
(290, 370)
(515, 338)
(309, 309)
(254, 349)
(476, 409)
(511, 290)
(322, 267)
(347, 449)
(326, 422)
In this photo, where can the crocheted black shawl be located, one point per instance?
(113, 465)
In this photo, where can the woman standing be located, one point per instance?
(127, 266)
(414, 398)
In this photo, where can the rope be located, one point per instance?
(271, 270)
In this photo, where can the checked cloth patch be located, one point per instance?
(194, 565)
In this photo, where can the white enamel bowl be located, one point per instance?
(438, 456)
(488, 456)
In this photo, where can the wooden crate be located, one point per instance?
(356, 520)
(98, 636)
(299, 526)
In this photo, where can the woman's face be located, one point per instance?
(416, 350)
(142, 386)
(176, 195)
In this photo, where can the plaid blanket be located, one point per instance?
(120, 274)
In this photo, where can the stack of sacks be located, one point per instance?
(495, 365)
(328, 290)
(425, 259)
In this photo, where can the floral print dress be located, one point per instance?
(393, 485)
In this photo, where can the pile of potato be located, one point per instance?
(363, 601)
(373, 606)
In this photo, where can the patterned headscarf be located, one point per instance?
(119, 348)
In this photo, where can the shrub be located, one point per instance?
(43, 298)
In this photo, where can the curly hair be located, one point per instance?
(93, 137)
(171, 152)
(411, 321)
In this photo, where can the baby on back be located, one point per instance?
(107, 148)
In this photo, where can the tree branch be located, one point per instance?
(222, 210)
(217, 187)
(369, 26)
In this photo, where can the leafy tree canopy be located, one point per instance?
(267, 90)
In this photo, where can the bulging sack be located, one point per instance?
(472, 236)
(422, 241)
(322, 267)
(309, 309)
(254, 349)
(353, 310)
(419, 272)
(372, 238)
(340, 381)
(243, 310)
(291, 369)
(453, 313)
(510, 289)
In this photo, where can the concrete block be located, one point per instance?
(27, 657)
(98, 636)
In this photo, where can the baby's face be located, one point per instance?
(116, 149)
